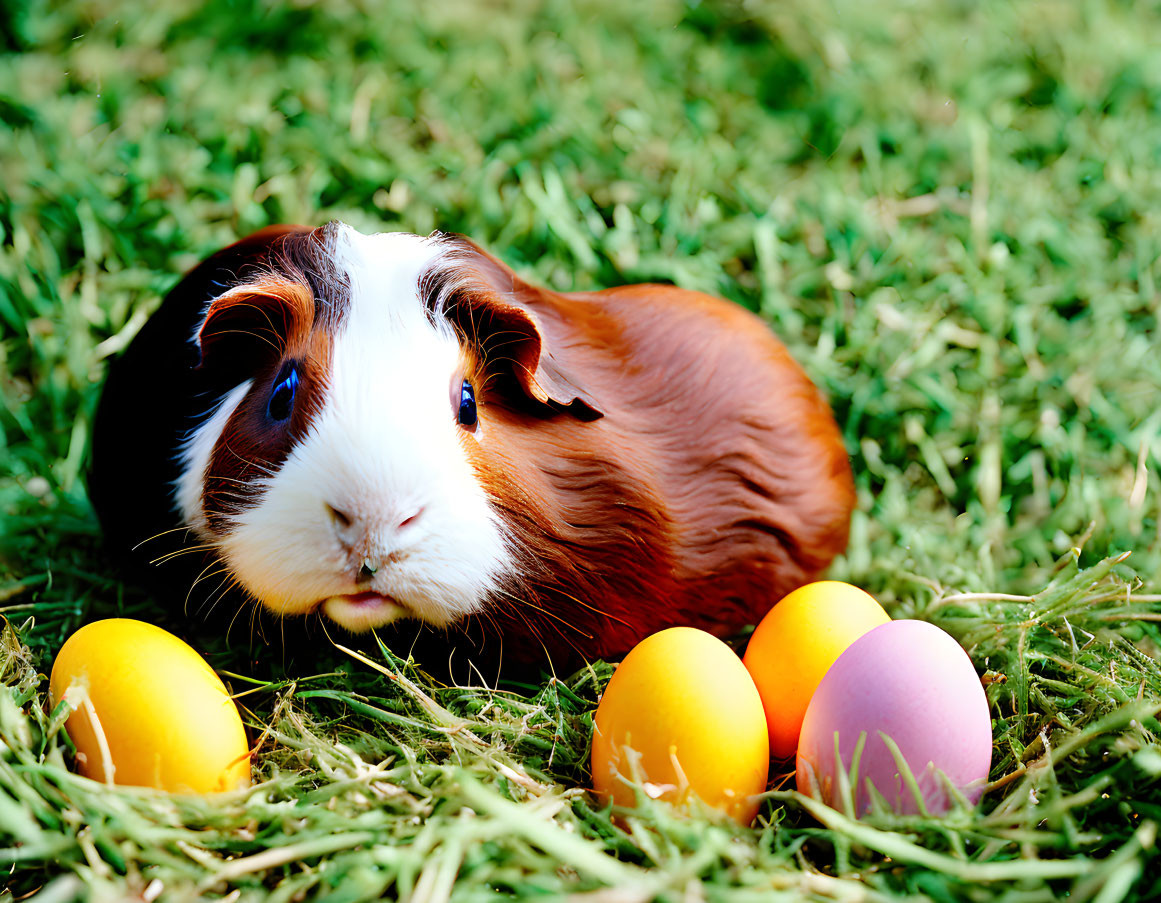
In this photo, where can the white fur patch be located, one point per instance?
(385, 447)
(194, 456)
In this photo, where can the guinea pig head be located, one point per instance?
(339, 474)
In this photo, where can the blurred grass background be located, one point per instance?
(948, 210)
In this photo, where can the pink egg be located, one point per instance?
(913, 682)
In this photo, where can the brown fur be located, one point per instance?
(271, 319)
(656, 453)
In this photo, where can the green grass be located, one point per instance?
(951, 212)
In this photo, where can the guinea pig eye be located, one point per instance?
(282, 398)
(467, 412)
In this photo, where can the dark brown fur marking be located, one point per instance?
(287, 312)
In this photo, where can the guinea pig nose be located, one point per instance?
(410, 519)
(352, 529)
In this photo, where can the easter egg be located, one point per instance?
(149, 711)
(682, 717)
(912, 682)
(795, 644)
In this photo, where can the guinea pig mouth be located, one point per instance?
(360, 612)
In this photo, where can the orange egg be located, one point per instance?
(682, 716)
(149, 711)
(795, 644)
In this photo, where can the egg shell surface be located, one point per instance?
(165, 717)
(682, 699)
(913, 682)
(796, 643)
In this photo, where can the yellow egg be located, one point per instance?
(797, 642)
(682, 714)
(149, 711)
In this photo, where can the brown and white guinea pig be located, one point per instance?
(381, 427)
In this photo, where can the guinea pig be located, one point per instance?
(383, 427)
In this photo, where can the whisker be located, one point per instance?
(222, 572)
(245, 601)
(204, 575)
(172, 530)
(246, 332)
(223, 589)
(185, 550)
(594, 609)
(255, 631)
(237, 480)
(525, 601)
(264, 467)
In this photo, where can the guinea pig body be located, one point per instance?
(388, 426)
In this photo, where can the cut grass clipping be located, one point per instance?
(949, 212)
(374, 779)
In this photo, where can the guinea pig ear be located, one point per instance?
(266, 316)
(513, 337)
(519, 329)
